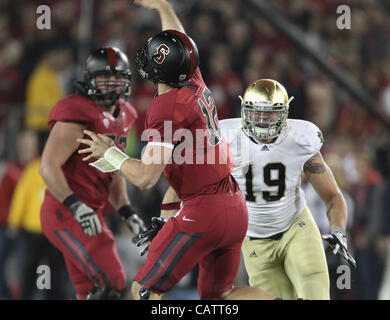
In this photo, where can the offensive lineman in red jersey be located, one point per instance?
(71, 213)
(212, 223)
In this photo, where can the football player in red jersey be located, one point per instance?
(71, 213)
(213, 220)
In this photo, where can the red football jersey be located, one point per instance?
(90, 185)
(186, 119)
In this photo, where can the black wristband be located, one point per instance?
(126, 211)
(72, 202)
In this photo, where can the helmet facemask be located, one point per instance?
(107, 77)
(263, 121)
(144, 65)
(107, 87)
(141, 61)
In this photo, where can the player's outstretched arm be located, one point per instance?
(142, 173)
(169, 19)
(323, 181)
(146, 172)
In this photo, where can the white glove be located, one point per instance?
(84, 215)
(338, 241)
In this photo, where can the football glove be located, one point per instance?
(84, 215)
(148, 235)
(133, 221)
(338, 241)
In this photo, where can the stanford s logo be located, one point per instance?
(162, 51)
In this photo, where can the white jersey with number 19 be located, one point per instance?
(269, 175)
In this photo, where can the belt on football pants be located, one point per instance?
(274, 237)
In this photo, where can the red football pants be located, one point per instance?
(208, 230)
(90, 261)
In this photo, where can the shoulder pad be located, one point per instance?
(73, 108)
(307, 135)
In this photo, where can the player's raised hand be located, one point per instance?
(98, 145)
(337, 240)
(150, 4)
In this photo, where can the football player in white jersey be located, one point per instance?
(283, 250)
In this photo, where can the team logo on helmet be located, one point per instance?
(162, 52)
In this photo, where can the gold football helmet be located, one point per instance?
(264, 109)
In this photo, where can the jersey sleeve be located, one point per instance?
(197, 78)
(310, 138)
(164, 125)
(72, 110)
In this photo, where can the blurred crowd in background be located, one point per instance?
(237, 46)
